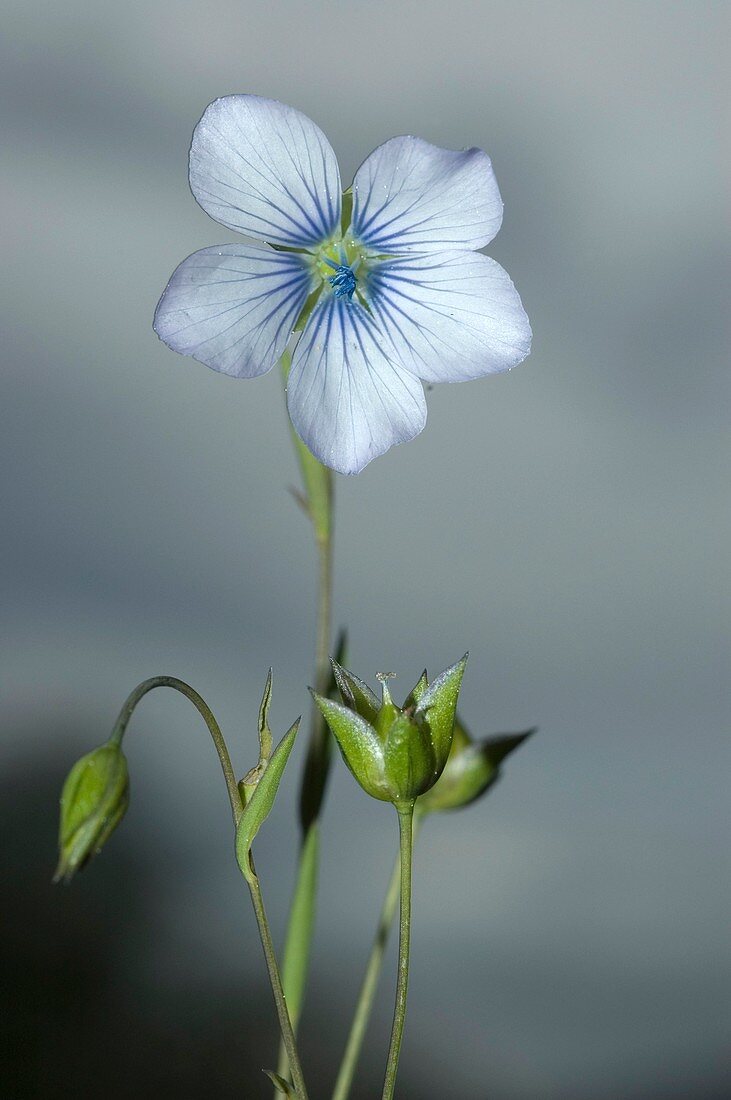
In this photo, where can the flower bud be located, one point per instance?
(471, 769)
(94, 799)
(395, 753)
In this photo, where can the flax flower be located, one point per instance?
(383, 285)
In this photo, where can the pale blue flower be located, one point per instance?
(387, 276)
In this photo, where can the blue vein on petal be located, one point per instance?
(288, 294)
(316, 232)
(313, 232)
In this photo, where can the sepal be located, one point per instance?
(355, 693)
(417, 691)
(359, 744)
(409, 759)
(438, 707)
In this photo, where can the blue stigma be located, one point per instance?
(343, 281)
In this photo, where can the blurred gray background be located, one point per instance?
(567, 523)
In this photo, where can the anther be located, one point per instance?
(343, 281)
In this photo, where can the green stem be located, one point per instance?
(405, 817)
(317, 762)
(318, 503)
(366, 996)
(203, 709)
(285, 1024)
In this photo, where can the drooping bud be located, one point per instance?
(395, 753)
(471, 769)
(94, 800)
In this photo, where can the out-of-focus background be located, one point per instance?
(567, 523)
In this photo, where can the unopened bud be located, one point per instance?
(94, 799)
(471, 769)
(395, 753)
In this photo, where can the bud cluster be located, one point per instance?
(395, 753)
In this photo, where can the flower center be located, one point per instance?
(343, 265)
(343, 281)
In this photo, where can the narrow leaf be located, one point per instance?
(301, 923)
(261, 801)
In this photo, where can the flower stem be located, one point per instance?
(206, 713)
(317, 763)
(366, 996)
(285, 1024)
(406, 817)
(318, 504)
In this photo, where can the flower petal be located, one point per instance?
(348, 401)
(410, 196)
(233, 307)
(266, 170)
(449, 316)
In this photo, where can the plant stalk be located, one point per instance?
(285, 1024)
(406, 817)
(367, 993)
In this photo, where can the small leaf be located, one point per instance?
(280, 1084)
(261, 801)
(438, 705)
(247, 785)
(301, 923)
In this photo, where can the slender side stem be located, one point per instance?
(234, 796)
(405, 817)
(285, 1024)
(203, 709)
(366, 996)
